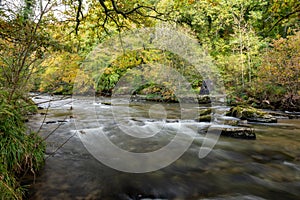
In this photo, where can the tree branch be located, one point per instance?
(78, 16)
(115, 13)
(282, 18)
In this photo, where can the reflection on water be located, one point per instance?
(266, 168)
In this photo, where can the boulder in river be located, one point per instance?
(205, 115)
(251, 114)
(204, 99)
(204, 118)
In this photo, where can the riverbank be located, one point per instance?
(22, 151)
(290, 107)
(251, 109)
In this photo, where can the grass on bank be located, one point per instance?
(22, 153)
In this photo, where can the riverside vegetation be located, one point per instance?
(22, 152)
(255, 46)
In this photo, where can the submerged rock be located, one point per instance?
(55, 122)
(50, 122)
(263, 119)
(106, 103)
(227, 120)
(235, 132)
(292, 115)
(172, 120)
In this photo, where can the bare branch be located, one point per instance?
(52, 153)
(78, 16)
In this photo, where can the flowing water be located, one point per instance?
(265, 168)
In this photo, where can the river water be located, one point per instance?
(265, 168)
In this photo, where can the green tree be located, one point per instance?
(235, 32)
(23, 42)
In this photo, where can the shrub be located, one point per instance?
(278, 79)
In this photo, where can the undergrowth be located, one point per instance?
(22, 152)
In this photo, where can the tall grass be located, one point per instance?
(21, 152)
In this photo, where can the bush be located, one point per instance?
(278, 78)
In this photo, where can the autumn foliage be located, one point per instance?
(278, 79)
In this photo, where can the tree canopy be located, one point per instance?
(44, 39)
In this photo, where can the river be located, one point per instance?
(265, 168)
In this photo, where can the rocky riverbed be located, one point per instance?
(265, 168)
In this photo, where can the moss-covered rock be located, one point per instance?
(228, 120)
(204, 118)
(205, 115)
(251, 114)
(236, 132)
(206, 111)
(204, 99)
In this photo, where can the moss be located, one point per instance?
(205, 111)
(204, 99)
(205, 118)
(205, 115)
(245, 112)
(251, 114)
